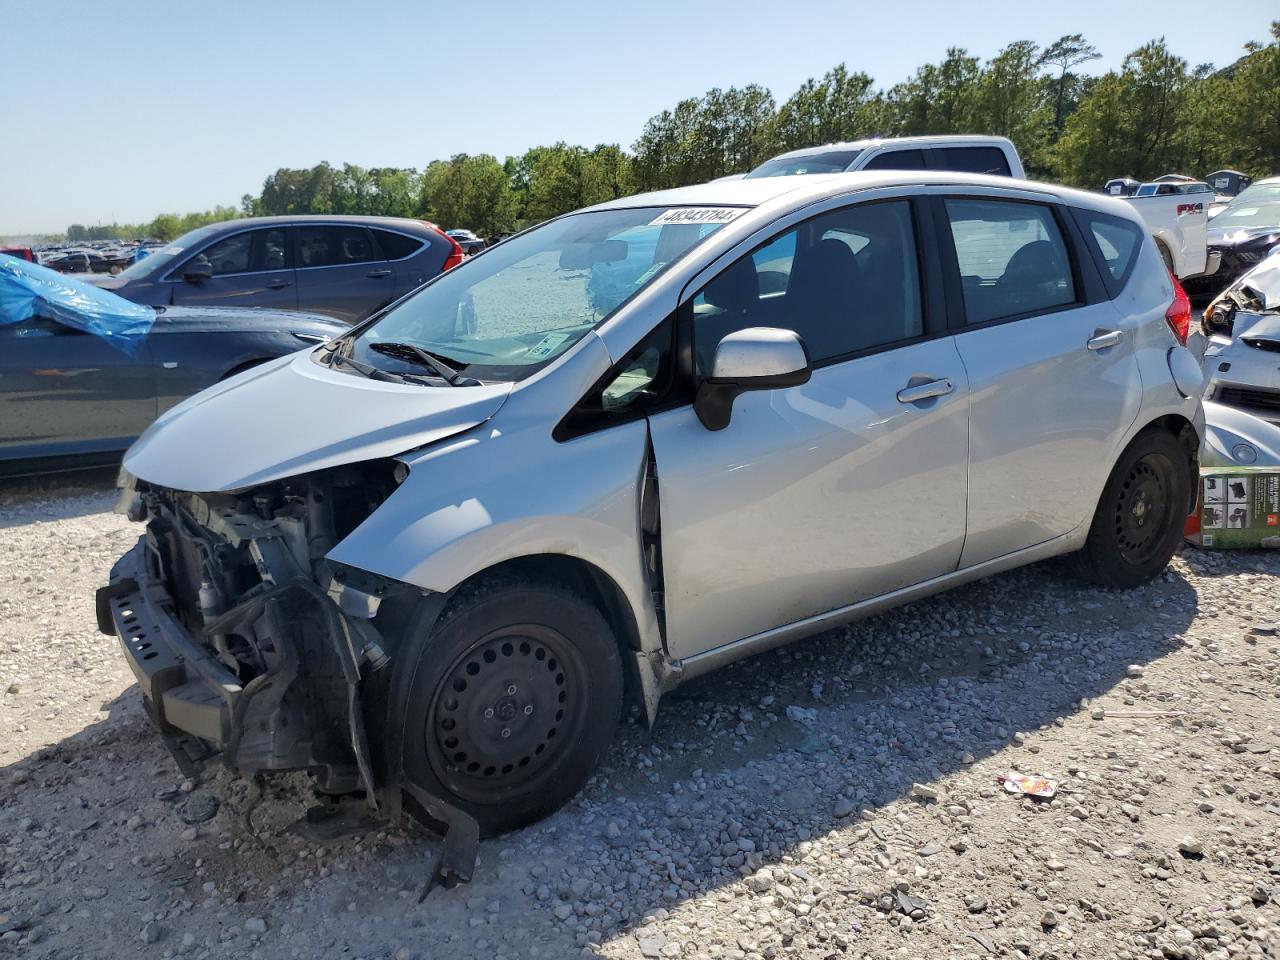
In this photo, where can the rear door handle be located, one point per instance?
(925, 391)
(378, 274)
(278, 284)
(1102, 339)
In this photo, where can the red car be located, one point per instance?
(22, 252)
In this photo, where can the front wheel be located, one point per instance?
(514, 700)
(1141, 514)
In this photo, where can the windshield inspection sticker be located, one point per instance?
(547, 345)
(698, 215)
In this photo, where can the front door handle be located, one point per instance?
(1102, 339)
(378, 274)
(925, 391)
(278, 284)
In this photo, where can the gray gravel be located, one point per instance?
(836, 798)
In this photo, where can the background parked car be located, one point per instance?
(469, 242)
(75, 261)
(1242, 359)
(345, 267)
(976, 154)
(22, 253)
(72, 398)
(1242, 235)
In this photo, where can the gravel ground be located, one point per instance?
(838, 798)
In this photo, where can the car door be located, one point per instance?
(248, 269)
(415, 260)
(817, 496)
(340, 271)
(67, 392)
(1053, 378)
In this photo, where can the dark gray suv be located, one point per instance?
(346, 267)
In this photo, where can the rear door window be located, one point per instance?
(990, 160)
(897, 160)
(334, 246)
(1012, 257)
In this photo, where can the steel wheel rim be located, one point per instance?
(1143, 509)
(504, 711)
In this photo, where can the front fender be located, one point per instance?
(493, 495)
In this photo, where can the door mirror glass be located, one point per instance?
(757, 358)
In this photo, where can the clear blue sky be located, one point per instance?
(125, 110)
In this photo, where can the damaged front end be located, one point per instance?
(244, 638)
(1242, 355)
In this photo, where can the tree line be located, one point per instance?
(1156, 114)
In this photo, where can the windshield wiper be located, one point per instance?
(413, 353)
(372, 372)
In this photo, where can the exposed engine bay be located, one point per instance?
(247, 641)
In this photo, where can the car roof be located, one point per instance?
(399, 223)
(797, 191)
(950, 139)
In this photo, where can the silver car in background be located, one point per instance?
(637, 442)
(1242, 347)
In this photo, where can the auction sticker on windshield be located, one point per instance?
(698, 215)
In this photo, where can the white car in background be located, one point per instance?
(995, 156)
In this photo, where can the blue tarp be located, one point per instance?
(30, 290)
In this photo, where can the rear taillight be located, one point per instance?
(1178, 316)
(456, 253)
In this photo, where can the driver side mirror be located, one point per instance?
(197, 271)
(757, 358)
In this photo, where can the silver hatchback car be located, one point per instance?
(431, 560)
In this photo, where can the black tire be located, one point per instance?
(1165, 255)
(537, 661)
(1140, 517)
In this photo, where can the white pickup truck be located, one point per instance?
(1177, 216)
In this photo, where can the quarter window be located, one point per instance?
(1012, 257)
(396, 246)
(334, 246)
(845, 281)
(1117, 242)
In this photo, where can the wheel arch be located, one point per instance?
(602, 591)
(1185, 432)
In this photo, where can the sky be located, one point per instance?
(120, 111)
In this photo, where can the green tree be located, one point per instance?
(1066, 53)
(939, 98)
(1249, 94)
(840, 106)
(1132, 123)
(472, 192)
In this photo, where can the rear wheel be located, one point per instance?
(1141, 514)
(513, 702)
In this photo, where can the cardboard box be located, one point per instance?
(1239, 508)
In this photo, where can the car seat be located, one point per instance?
(1032, 278)
(824, 297)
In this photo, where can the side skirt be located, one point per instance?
(717, 657)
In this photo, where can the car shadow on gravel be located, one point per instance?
(56, 496)
(743, 769)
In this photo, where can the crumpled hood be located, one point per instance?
(293, 416)
(1256, 326)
